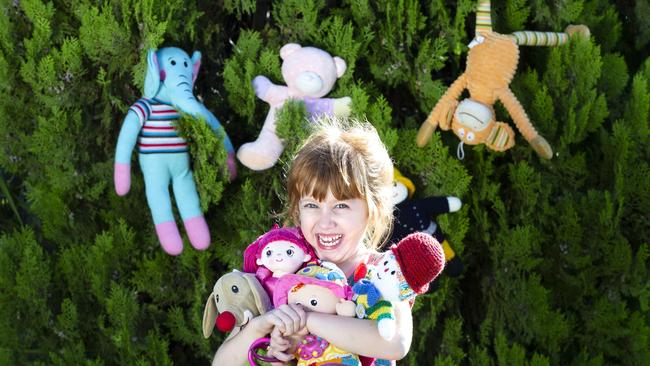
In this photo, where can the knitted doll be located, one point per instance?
(310, 74)
(164, 156)
(278, 252)
(413, 215)
(320, 295)
(491, 64)
(401, 273)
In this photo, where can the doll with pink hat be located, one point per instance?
(275, 253)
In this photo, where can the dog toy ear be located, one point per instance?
(209, 316)
(262, 301)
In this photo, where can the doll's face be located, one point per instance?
(400, 192)
(315, 298)
(387, 276)
(282, 257)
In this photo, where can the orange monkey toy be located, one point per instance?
(491, 64)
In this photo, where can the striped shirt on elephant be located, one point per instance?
(158, 134)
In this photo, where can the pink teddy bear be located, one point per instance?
(310, 73)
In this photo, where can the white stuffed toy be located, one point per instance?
(398, 274)
(310, 73)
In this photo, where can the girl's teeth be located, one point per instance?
(329, 240)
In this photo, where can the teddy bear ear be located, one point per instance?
(341, 66)
(288, 49)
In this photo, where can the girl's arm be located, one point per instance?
(234, 350)
(361, 336)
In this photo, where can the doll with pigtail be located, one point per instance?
(491, 65)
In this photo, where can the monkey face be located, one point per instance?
(472, 121)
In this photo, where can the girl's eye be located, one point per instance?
(268, 253)
(341, 205)
(310, 205)
(173, 63)
(290, 252)
(313, 302)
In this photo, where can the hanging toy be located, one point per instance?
(491, 65)
(414, 215)
(163, 154)
(310, 73)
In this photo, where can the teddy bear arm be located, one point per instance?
(269, 92)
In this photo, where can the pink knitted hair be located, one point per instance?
(290, 234)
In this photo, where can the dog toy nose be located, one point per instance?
(225, 321)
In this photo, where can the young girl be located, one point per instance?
(339, 192)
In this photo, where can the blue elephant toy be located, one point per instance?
(163, 154)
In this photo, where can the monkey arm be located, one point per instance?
(523, 123)
(443, 112)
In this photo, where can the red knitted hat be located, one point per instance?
(421, 259)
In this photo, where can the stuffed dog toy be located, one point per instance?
(237, 297)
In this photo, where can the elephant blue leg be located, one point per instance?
(187, 200)
(157, 175)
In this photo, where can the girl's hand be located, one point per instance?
(288, 318)
(283, 348)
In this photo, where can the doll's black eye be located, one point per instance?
(173, 63)
(393, 273)
(289, 252)
(313, 302)
(234, 289)
(385, 263)
(268, 253)
(185, 63)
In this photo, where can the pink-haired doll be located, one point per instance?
(275, 253)
(319, 288)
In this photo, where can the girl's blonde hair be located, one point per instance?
(347, 157)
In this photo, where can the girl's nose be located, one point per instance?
(326, 220)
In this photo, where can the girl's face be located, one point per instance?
(281, 257)
(335, 228)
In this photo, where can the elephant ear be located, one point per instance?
(196, 65)
(152, 78)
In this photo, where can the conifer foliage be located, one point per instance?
(556, 252)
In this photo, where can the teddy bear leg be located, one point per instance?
(156, 181)
(187, 200)
(262, 153)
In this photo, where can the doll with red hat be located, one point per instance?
(400, 273)
(275, 253)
